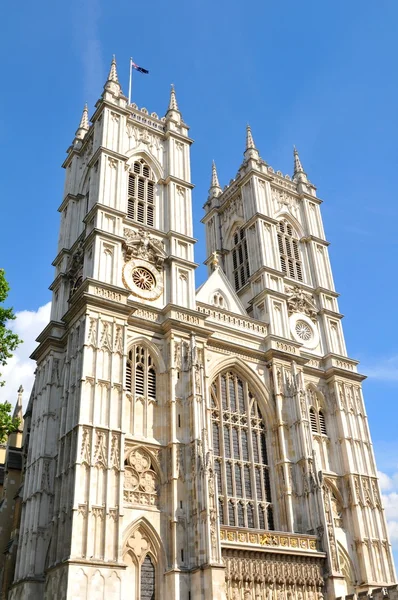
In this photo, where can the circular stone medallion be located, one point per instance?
(142, 279)
(304, 330)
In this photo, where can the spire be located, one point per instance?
(173, 100)
(215, 188)
(298, 167)
(250, 145)
(251, 150)
(113, 72)
(298, 172)
(112, 83)
(84, 124)
(18, 413)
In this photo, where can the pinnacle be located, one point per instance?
(84, 124)
(250, 145)
(173, 100)
(113, 72)
(298, 167)
(214, 177)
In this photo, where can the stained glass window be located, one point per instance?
(242, 469)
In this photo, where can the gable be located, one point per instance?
(217, 291)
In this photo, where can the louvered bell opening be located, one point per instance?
(234, 259)
(149, 216)
(141, 189)
(291, 268)
(322, 423)
(314, 426)
(295, 250)
(236, 277)
(299, 272)
(281, 227)
(283, 264)
(242, 276)
(131, 186)
(140, 212)
(236, 238)
(288, 247)
(131, 208)
(151, 383)
(128, 376)
(289, 230)
(139, 380)
(137, 167)
(145, 171)
(150, 192)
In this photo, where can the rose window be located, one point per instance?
(303, 330)
(143, 278)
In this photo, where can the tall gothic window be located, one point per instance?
(240, 260)
(240, 455)
(317, 415)
(141, 192)
(147, 583)
(140, 373)
(289, 251)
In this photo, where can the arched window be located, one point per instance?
(289, 251)
(240, 259)
(147, 583)
(317, 414)
(240, 455)
(141, 194)
(140, 373)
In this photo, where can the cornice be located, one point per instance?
(108, 152)
(183, 138)
(68, 198)
(177, 181)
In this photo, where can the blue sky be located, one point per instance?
(320, 75)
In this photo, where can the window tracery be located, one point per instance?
(240, 455)
(240, 259)
(289, 251)
(141, 194)
(141, 373)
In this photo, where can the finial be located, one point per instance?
(214, 263)
(113, 72)
(173, 100)
(298, 167)
(214, 176)
(84, 124)
(250, 145)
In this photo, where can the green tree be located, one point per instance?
(9, 341)
(8, 424)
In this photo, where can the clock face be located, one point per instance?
(142, 279)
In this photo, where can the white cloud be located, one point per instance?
(386, 370)
(389, 487)
(20, 368)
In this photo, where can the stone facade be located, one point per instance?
(209, 444)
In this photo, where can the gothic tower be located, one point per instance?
(206, 445)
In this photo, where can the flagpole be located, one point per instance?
(130, 79)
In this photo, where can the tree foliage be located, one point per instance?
(8, 339)
(8, 424)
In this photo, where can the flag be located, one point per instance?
(139, 69)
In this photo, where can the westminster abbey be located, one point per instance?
(193, 444)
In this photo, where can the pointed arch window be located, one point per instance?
(141, 194)
(289, 251)
(317, 415)
(240, 259)
(147, 580)
(141, 373)
(240, 455)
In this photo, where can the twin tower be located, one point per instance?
(193, 444)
